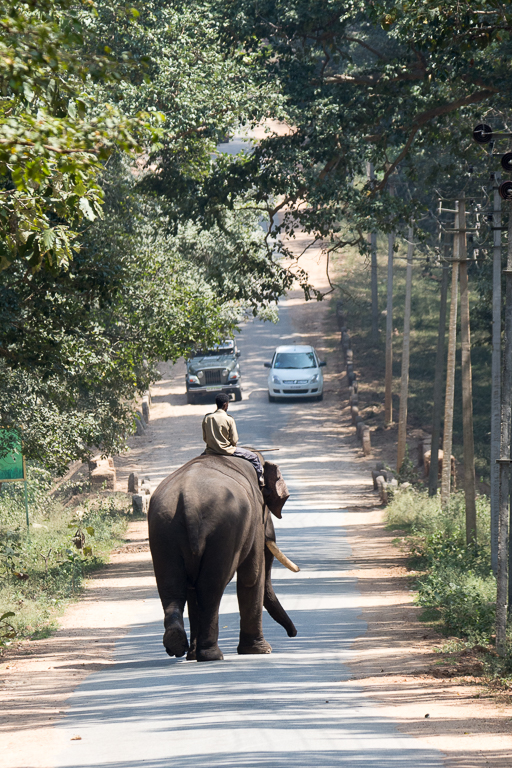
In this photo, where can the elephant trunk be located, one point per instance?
(282, 558)
(270, 601)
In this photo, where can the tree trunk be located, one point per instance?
(372, 240)
(450, 374)
(404, 383)
(438, 386)
(375, 293)
(467, 385)
(388, 392)
(496, 374)
(504, 461)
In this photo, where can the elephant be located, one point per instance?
(208, 520)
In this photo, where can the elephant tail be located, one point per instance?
(192, 519)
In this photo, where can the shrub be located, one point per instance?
(41, 571)
(456, 578)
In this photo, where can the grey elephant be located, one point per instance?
(208, 521)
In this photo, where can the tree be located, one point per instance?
(56, 130)
(387, 83)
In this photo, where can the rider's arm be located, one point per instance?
(233, 436)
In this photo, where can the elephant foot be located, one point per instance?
(175, 640)
(256, 647)
(210, 654)
(192, 655)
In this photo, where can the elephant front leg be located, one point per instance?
(250, 590)
(208, 601)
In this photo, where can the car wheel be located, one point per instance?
(238, 395)
(319, 398)
(191, 399)
(270, 398)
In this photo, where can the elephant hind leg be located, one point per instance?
(175, 637)
(193, 617)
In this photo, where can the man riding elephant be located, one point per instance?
(208, 521)
(221, 437)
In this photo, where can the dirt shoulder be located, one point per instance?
(396, 662)
(37, 678)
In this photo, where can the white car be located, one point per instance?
(295, 371)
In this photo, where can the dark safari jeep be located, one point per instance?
(214, 371)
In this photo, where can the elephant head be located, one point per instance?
(277, 493)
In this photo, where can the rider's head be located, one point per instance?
(222, 401)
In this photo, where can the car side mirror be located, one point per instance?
(322, 364)
(267, 365)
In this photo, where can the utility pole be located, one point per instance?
(372, 240)
(504, 461)
(404, 383)
(496, 371)
(467, 386)
(450, 371)
(438, 386)
(388, 385)
(388, 392)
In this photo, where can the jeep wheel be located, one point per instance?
(238, 395)
(191, 399)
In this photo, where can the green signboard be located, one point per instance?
(12, 466)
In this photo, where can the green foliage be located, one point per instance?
(39, 573)
(78, 344)
(407, 472)
(455, 578)
(56, 130)
(397, 84)
(123, 131)
(354, 290)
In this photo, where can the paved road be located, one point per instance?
(294, 707)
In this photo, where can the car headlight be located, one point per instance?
(276, 380)
(192, 379)
(315, 378)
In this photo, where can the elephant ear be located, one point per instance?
(277, 493)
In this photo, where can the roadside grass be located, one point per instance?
(454, 581)
(353, 281)
(71, 535)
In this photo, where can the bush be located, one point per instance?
(40, 572)
(465, 600)
(456, 578)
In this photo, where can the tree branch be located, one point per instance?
(49, 147)
(397, 160)
(418, 74)
(444, 109)
(424, 118)
(365, 45)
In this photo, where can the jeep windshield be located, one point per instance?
(296, 360)
(217, 352)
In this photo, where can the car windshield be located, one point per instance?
(216, 352)
(295, 360)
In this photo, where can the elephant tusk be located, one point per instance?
(282, 558)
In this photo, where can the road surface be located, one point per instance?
(295, 707)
